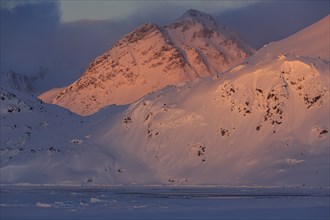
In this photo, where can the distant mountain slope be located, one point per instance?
(152, 57)
(264, 122)
(22, 83)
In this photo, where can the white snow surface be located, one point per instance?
(264, 122)
(151, 58)
(202, 203)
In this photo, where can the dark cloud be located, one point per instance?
(32, 37)
(270, 21)
(24, 31)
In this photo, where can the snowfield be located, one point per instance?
(164, 203)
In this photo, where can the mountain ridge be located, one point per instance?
(152, 57)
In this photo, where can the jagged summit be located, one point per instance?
(141, 32)
(193, 14)
(152, 57)
(194, 17)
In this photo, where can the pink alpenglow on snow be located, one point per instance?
(151, 58)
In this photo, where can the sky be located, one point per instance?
(63, 37)
(117, 10)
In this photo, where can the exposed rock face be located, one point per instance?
(151, 58)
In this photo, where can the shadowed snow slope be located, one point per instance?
(265, 122)
(152, 57)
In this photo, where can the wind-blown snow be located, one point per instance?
(264, 122)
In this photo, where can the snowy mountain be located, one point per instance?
(266, 121)
(263, 122)
(152, 57)
(22, 83)
(42, 79)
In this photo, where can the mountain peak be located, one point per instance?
(182, 51)
(141, 32)
(195, 15)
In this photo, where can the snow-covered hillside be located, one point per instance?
(39, 141)
(152, 57)
(263, 122)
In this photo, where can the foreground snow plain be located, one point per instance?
(155, 202)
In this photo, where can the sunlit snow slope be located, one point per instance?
(264, 122)
(152, 57)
